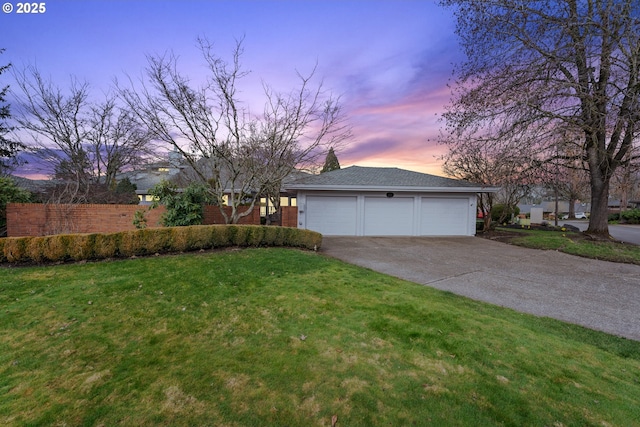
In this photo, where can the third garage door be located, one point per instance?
(441, 216)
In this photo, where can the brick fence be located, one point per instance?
(31, 219)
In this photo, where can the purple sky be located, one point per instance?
(390, 60)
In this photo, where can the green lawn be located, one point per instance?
(281, 337)
(572, 243)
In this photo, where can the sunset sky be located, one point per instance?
(389, 60)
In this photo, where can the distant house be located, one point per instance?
(147, 178)
(549, 207)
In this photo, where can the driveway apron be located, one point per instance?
(596, 294)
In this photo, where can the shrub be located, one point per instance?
(34, 249)
(106, 245)
(150, 241)
(15, 249)
(182, 208)
(222, 235)
(82, 247)
(500, 212)
(139, 219)
(56, 248)
(631, 216)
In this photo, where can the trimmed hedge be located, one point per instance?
(149, 241)
(627, 217)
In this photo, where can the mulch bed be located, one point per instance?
(506, 235)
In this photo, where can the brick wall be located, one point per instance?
(31, 219)
(212, 215)
(289, 216)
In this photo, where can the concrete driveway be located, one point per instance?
(596, 294)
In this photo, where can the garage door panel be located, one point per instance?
(442, 216)
(388, 216)
(332, 215)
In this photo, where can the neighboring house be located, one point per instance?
(549, 207)
(35, 186)
(147, 178)
(367, 201)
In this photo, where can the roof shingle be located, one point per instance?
(376, 177)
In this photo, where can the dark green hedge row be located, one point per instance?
(628, 217)
(149, 241)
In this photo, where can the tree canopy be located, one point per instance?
(238, 154)
(536, 70)
(86, 142)
(8, 148)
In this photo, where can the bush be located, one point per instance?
(503, 212)
(106, 245)
(628, 217)
(15, 249)
(182, 208)
(82, 247)
(631, 217)
(64, 247)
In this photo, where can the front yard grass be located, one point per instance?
(574, 243)
(275, 337)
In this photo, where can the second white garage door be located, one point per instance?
(388, 216)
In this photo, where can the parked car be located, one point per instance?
(579, 215)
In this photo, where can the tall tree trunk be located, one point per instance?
(599, 219)
(572, 207)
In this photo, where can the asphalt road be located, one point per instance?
(623, 233)
(596, 294)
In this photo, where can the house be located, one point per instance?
(177, 171)
(267, 209)
(373, 201)
(150, 176)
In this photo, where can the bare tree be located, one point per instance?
(239, 155)
(549, 63)
(86, 142)
(296, 130)
(116, 140)
(508, 163)
(566, 171)
(626, 180)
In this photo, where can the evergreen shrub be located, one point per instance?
(148, 241)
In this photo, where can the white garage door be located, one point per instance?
(388, 216)
(332, 216)
(444, 216)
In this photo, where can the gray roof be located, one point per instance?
(382, 179)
